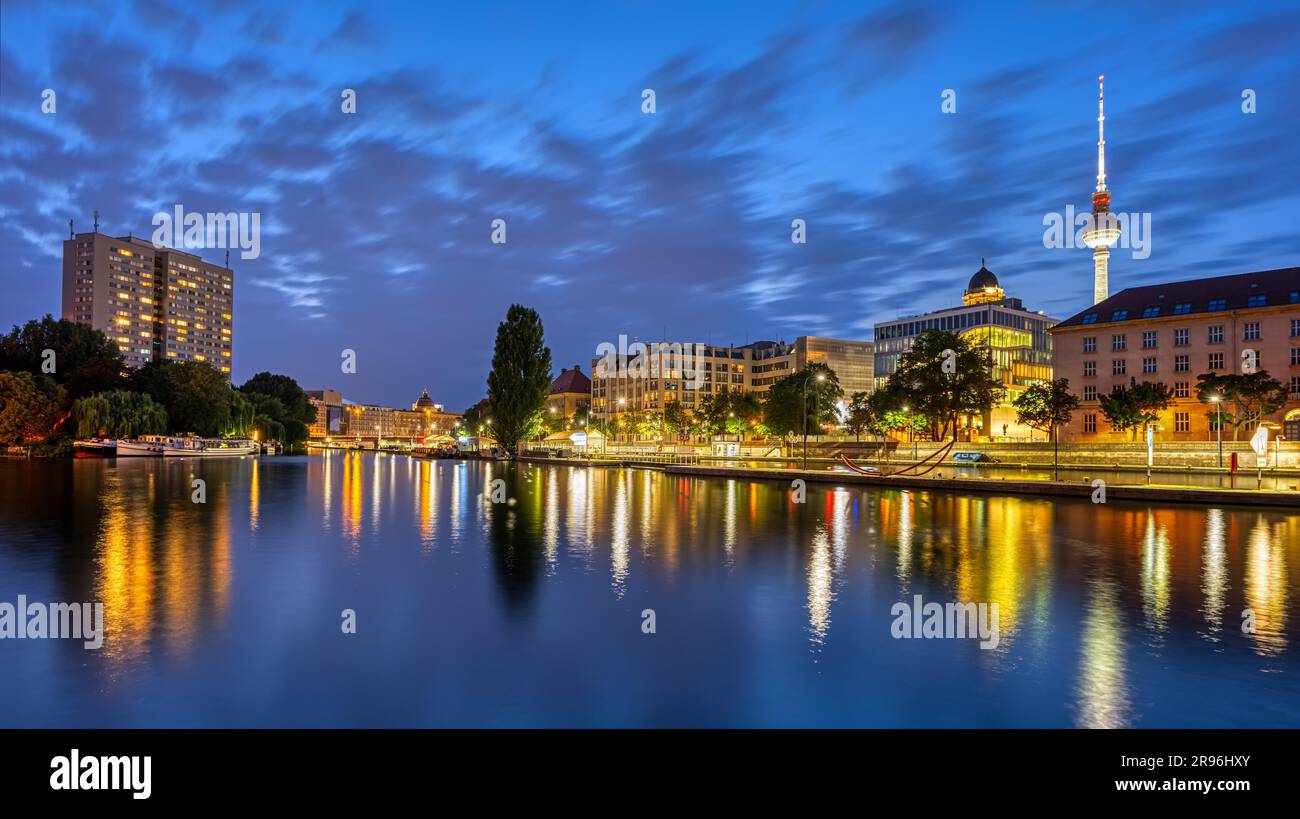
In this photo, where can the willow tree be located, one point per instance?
(520, 376)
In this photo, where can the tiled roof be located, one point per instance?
(570, 381)
(1266, 288)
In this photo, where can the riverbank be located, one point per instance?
(1083, 488)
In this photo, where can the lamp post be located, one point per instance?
(911, 432)
(1218, 426)
(820, 377)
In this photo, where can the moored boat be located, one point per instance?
(95, 448)
(192, 447)
(146, 446)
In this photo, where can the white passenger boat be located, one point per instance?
(146, 446)
(208, 447)
(185, 446)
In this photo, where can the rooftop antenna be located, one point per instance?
(71, 233)
(97, 221)
(228, 260)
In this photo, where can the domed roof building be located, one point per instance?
(983, 287)
(425, 402)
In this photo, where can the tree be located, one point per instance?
(676, 418)
(1135, 406)
(1045, 407)
(119, 414)
(859, 415)
(802, 398)
(30, 407)
(968, 387)
(520, 376)
(1253, 395)
(194, 393)
(296, 403)
(85, 361)
(474, 420)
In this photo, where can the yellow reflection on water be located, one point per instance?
(1102, 688)
(820, 587)
(1155, 574)
(162, 562)
(1214, 571)
(620, 524)
(352, 478)
(1266, 588)
(253, 496)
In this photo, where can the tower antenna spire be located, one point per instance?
(1101, 132)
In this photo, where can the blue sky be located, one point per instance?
(376, 225)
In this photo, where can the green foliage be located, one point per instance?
(920, 382)
(859, 414)
(119, 414)
(1133, 407)
(473, 421)
(30, 407)
(1045, 407)
(520, 376)
(802, 397)
(294, 402)
(194, 393)
(1252, 396)
(243, 412)
(85, 360)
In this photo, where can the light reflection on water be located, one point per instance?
(769, 612)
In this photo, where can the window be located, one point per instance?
(1090, 344)
(1148, 339)
(1214, 421)
(1295, 356)
(1119, 342)
(1257, 301)
(1216, 361)
(1295, 385)
(1295, 328)
(1089, 318)
(1118, 367)
(1148, 365)
(1182, 309)
(1251, 331)
(1150, 312)
(1180, 338)
(1218, 304)
(1182, 389)
(1182, 364)
(1090, 392)
(1295, 297)
(1089, 368)
(1090, 422)
(1119, 315)
(1182, 422)
(1216, 334)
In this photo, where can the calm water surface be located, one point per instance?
(768, 612)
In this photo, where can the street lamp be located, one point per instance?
(820, 377)
(1218, 426)
(911, 431)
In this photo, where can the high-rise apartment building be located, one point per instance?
(156, 303)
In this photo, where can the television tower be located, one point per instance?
(1104, 230)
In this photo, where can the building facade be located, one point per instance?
(155, 303)
(569, 393)
(1171, 333)
(337, 417)
(689, 373)
(1018, 341)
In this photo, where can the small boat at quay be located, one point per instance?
(188, 446)
(94, 448)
